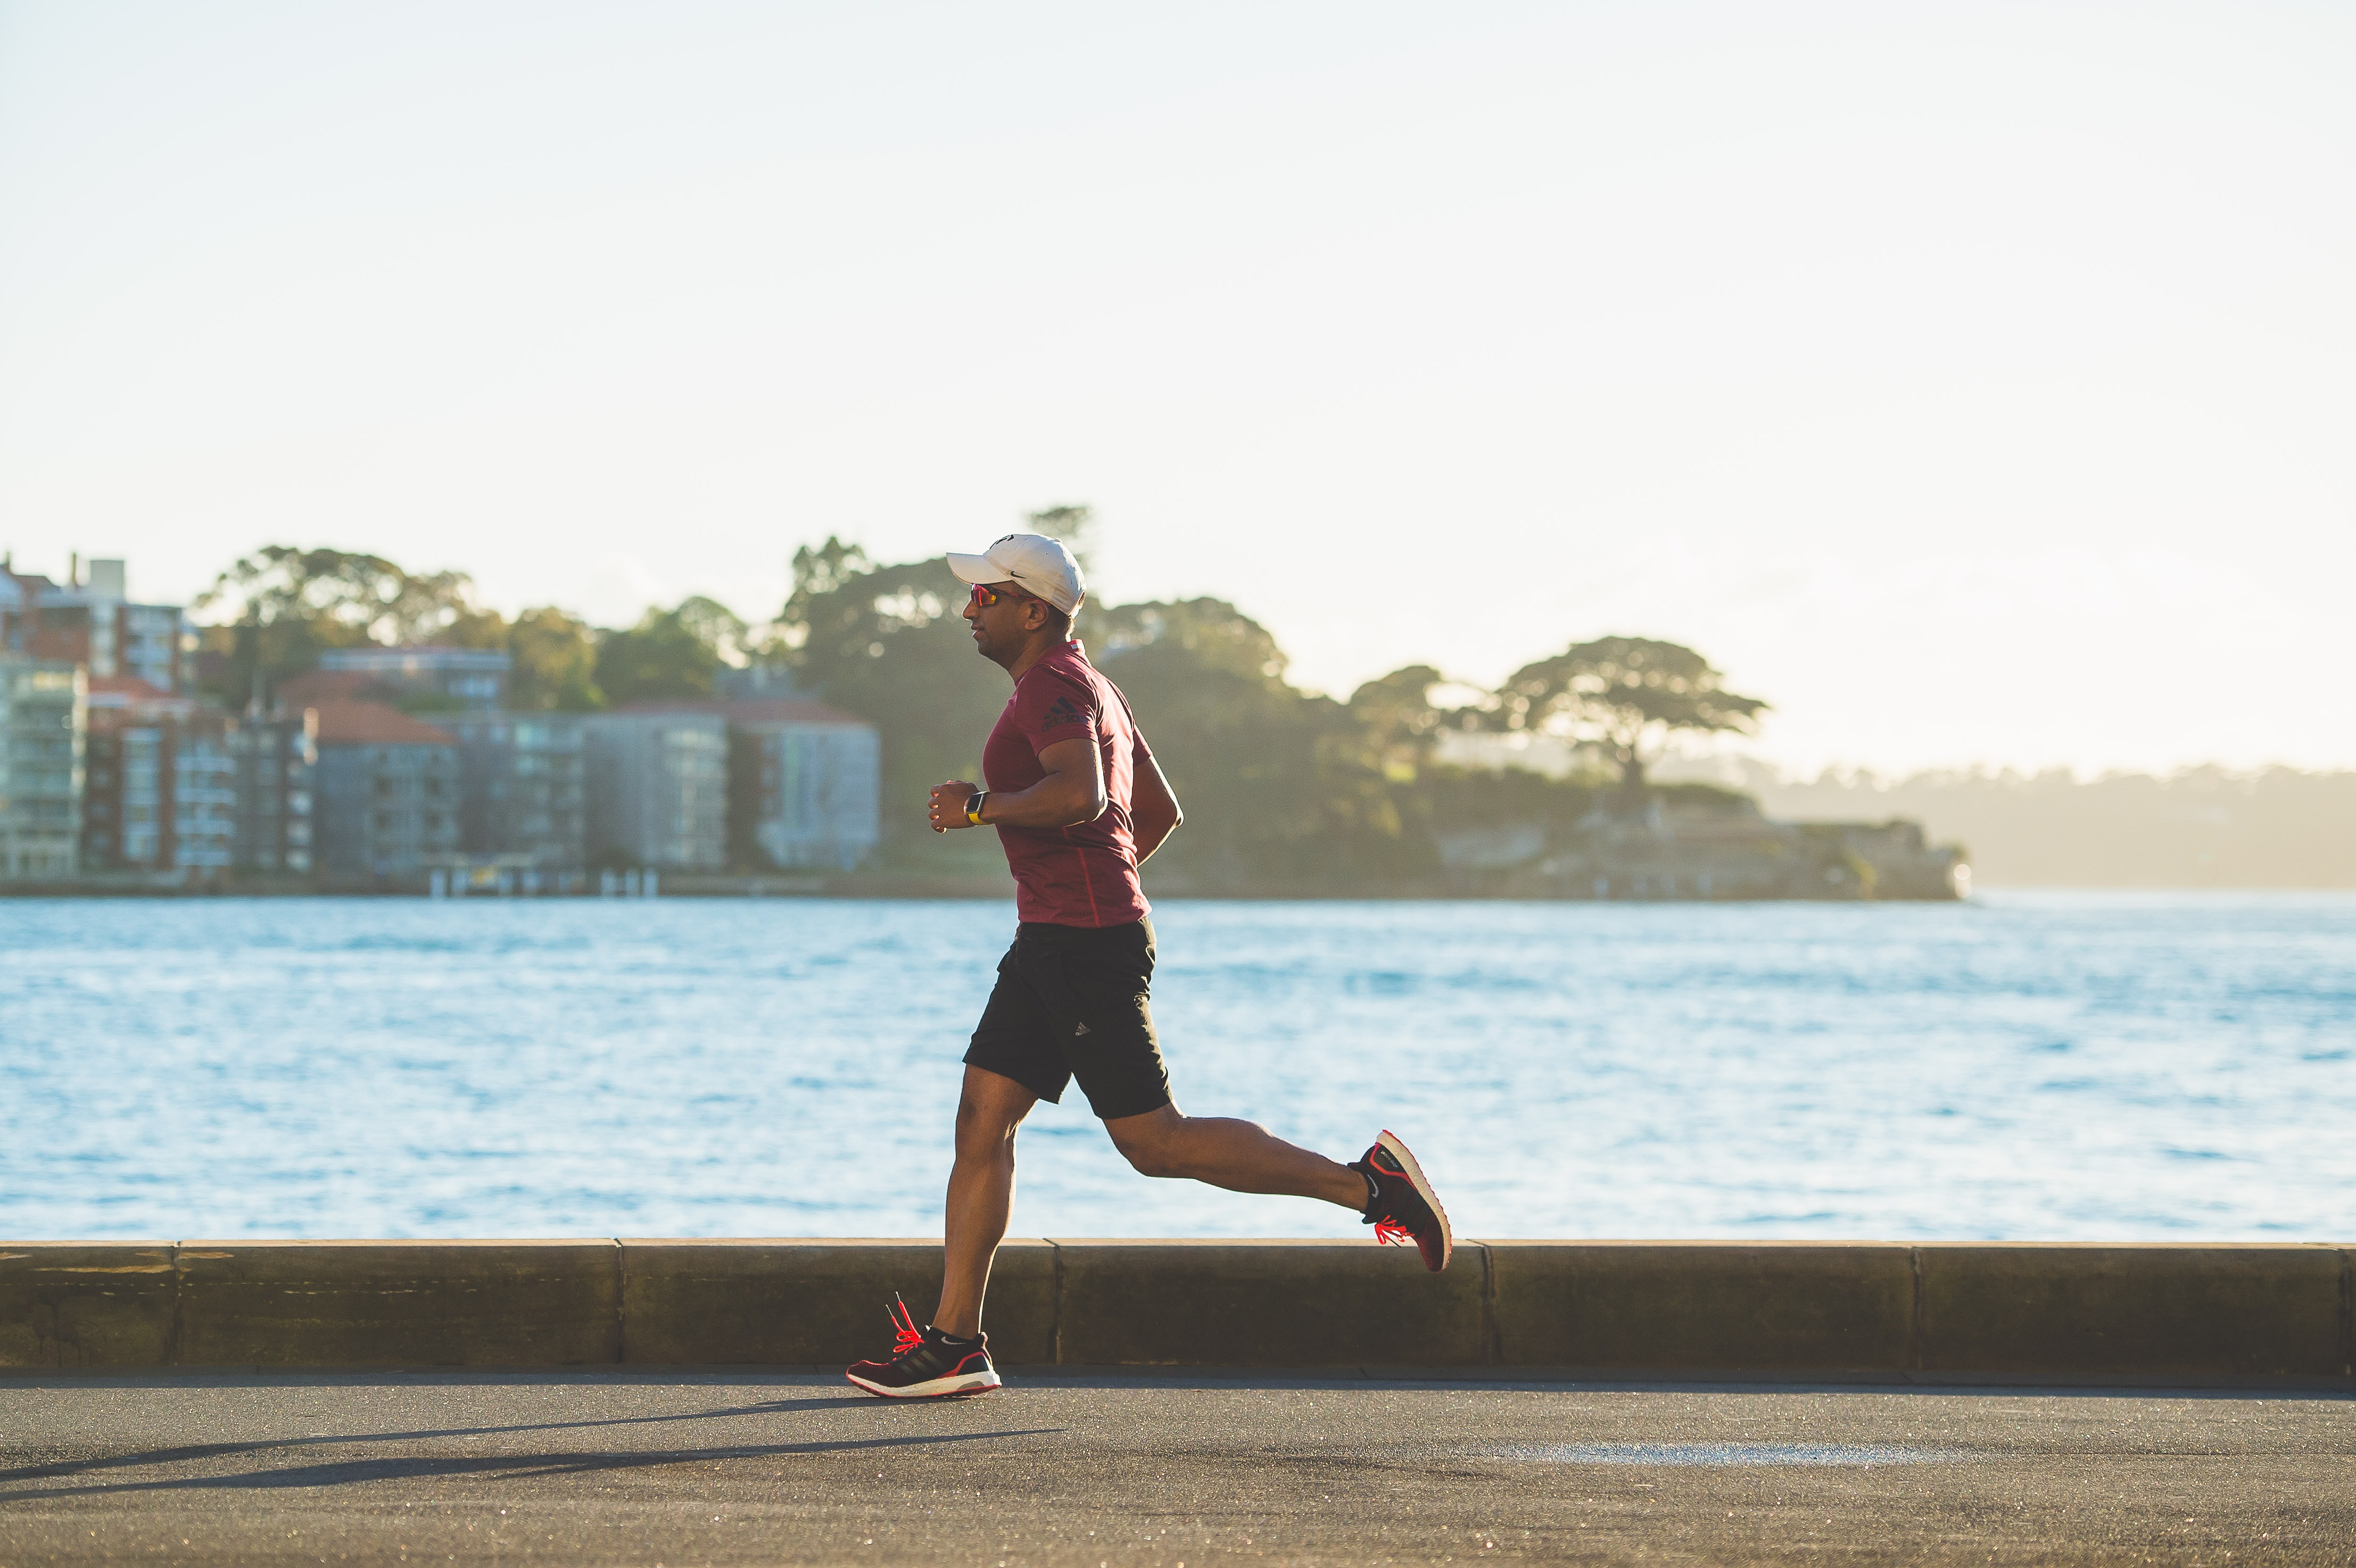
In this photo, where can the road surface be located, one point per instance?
(1069, 1468)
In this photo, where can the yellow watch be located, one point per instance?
(973, 808)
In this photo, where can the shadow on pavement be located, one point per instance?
(423, 1467)
(320, 1475)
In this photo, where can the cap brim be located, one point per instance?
(977, 568)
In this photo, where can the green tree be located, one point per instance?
(820, 571)
(1401, 723)
(1210, 633)
(1626, 695)
(288, 604)
(1278, 785)
(669, 654)
(888, 644)
(715, 626)
(555, 655)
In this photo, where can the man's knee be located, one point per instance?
(983, 1132)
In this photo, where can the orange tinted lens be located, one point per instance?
(983, 597)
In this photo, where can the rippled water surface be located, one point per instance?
(2129, 1067)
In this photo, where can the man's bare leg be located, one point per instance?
(990, 1108)
(1242, 1157)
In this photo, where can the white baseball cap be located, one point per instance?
(1033, 562)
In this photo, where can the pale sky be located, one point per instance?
(1972, 382)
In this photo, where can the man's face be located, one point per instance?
(1000, 628)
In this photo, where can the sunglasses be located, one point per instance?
(985, 595)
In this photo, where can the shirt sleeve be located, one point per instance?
(1056, 710)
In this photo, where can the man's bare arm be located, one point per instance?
(1154, 816)
(1072, 793)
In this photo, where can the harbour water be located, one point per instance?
(2057, 1066)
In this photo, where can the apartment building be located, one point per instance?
(803, 784)
(92, 622)
(160, 781)
(44, 725)
(525, 796)
(415, 676)
(657, 787)
(388, 790)
(277, 759)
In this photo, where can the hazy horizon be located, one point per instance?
(1966, 380)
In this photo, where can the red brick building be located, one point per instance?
(160, 781)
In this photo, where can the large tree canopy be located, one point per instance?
(1626, 695)
(887, 642)
(342, 594)
(1401, 722)
(555, 662)
(671, 653)
(288, 604)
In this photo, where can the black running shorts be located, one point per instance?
(1072, 1002)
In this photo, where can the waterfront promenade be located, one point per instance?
(1088, 1468)
(672, 1401)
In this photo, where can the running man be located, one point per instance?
(1080, 803)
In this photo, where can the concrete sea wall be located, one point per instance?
(1882, 1311)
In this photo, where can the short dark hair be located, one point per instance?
(1060, 620)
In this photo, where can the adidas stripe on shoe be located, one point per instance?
(926, 1364)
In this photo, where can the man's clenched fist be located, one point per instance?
(948, 805)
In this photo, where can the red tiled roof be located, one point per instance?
(671, 705)
(374, 724)
(313, 687)
(128, 689)
(791, 710)
(120, 701)
(777, 710)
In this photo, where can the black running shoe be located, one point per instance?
(926, 1364)
(1403, 1207)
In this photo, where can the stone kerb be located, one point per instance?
(1730, 1306)
(2193, 1310)
(813, 1303)
(76, 1306)
(1933, 1312)
(452, 1304)
(1268, 1303)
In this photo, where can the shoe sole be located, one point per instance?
(1390, 1140)
(938, 1388)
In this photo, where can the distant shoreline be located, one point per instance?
(987, 890)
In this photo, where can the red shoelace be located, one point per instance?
(1388, 1231)
(906, 1335)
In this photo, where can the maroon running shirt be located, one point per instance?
(1070, 876)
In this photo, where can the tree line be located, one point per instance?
(1281, 786)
